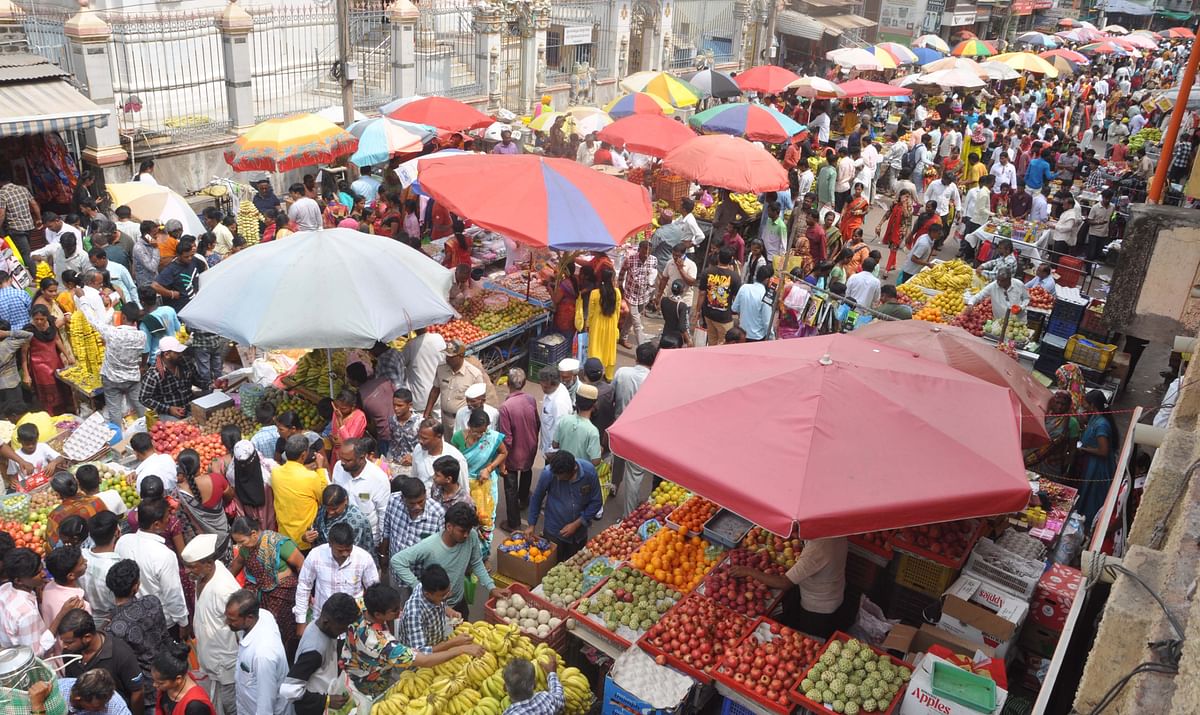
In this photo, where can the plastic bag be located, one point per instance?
(485, 504)
(871, 626)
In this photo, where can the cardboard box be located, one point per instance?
(984, 613)
(919, 698)
(1039, 640)
(1033, 671)
(1055, 593)
(204, 406)
(910, 643)
(527, 572)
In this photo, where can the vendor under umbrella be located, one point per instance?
(817, 605)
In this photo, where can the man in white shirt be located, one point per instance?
(1044, 279)
(688, 225)
(1066, 228)
(92, 300)
(863, 287)
(1005, 293)
(261, 660)
(845, 175)
(421, 358)
(682, 268)
(1040, 212)
(476, 396)
(1137, 123)
(951, 143)
(556, 404)
(223, 238)
(976, 214)
(157, 562)
(431, 445)
(586, 154)
(336, 567)
(868, 169)
(150, 461)
(305, 212)
(820, 124)
(367, 485)
(945, 192)
(56, 227)
(1005, 174)
(805, 181)
(626, 383)
(216, 643)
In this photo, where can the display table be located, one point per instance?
(509, 346)
(80, 394)
(610, 648)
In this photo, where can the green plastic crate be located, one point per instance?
(965, 688)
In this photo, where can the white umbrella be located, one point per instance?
(854, 58)
(154, 202)
(998, 71)
(1115, 30)
(335, 114)
(816, 87)
(332, 288)
(951, 78)
(933, 42)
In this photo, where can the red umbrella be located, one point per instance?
(867, 88)
(727, 162)
(963, 351)
(765, 79)
(849, 436)
(441, 112)
(1172, 33)
(650, 134)
(557, 203)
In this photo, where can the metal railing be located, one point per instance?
(700, 28)
(287, 67)
(43, 26)
(446, 49)
(580, 35)
(168, 75)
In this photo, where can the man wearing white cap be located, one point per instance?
(476, 399)
(216, 645)
(167, 385)
(568, 374)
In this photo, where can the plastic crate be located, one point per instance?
(912, 607)
(1067, 310)
(544, 351)
(556, 639)
(1062, 327)
(861, 573)
(954, 683)
(1089, 353)
(815, 707)
(1017, 574)
(761, 631)
(733, 707)
(726, 529)
(924, 576)
(901, 542)
(1070, 270)
(1093, 320)
(619, 701)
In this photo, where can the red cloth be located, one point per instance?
(195, 695)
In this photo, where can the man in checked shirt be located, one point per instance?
(520, 680)
(410, 517)
(423, 624)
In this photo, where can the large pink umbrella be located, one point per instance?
(867, 88)
(765, 79)
(849, 436)
(727, 162)
(650, 134)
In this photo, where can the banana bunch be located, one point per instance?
(312, 371)
(85, 343)
(953, 276)
(577, 689)
(705, 213)
(247, 221)
(749, 203)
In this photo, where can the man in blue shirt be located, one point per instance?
(570, 491)
(1038, 174)
(754, 315)
(14, 302)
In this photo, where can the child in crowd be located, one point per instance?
(40, 456)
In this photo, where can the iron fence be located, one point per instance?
(288, 73)
(702, 28)
(168, 75)
(43, 27)
(447, 50)
(580, 36)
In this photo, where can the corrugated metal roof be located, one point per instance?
(43, 106)
(22, 67)
(837, 24)
(797, 24)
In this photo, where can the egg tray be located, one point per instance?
(556, 639)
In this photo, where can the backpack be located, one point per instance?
(909, 163)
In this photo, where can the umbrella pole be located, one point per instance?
(529, 278)
(329, 366)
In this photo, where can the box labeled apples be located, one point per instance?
(1055, 593)
(983, 613)
(919, 698)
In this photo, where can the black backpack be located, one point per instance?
(909, 163)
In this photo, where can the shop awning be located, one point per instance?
(1181, 16)
(796, 24)
(1126, 7)
(827, 3)
(837, 24)
(35, 97)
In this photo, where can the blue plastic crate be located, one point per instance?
(733, 707)
(1062, 327)
(619, 701)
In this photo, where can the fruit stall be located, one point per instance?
(497, 327)
(662, 582)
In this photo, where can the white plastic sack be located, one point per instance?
(871, 626)
(662, 687)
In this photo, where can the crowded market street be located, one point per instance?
(842, 384)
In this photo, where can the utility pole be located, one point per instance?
(772, 14)
(1168, 147)
(349, 71)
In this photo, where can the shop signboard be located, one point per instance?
(900, 20)
(1022, 7)
(933, 16)
(577, 35)
(958, 17)
(1043, 4)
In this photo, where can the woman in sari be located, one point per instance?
(483, 448)
(833, 236)
(1098, 457)
(201, 497)
(47, 295)
(250, 480)
(334, 211)
(1069, 379)
(927, 218)
(855, 212)
(1053, 458)
(272, 563)
(898, 224)
(44, 355)
(598, 312)
(566, 290)
(349, 422)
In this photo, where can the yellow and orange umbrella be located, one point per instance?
(664, 85)
(289, 143)
(1027, 62)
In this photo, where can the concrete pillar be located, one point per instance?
(87, 39)
(742, 38)
(619, 18)
(533, 36)
(403, 16)
(668, 43)
(236, 25)
(656, 52)
(12, 33)
(435, 61)
(489, 35)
